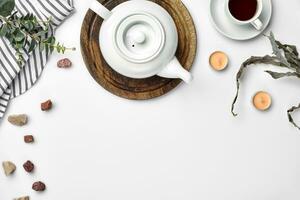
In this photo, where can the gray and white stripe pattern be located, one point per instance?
(16, 79)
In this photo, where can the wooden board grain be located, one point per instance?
(137, 89)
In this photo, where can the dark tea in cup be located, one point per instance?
(243, 10)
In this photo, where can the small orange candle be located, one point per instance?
(262, 101)
(218, 60)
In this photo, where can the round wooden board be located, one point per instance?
(137, 89)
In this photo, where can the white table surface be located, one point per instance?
(185, 145)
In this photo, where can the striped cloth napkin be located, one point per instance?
(16, 79)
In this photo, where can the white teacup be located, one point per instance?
(255, 21)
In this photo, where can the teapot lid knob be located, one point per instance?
(138, 37)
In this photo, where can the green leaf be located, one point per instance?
(6, 7)
(28, 25)
(52, 40)
(10, 37)
(19, 36)
(18, 45)
(4, 30)
(32, 46)
(63, 49)
(42, 46)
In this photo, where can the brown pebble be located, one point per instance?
(18, 120)
(38, 186)
(28, 139)
(28, 166)
(8, 167)
(22, 198)
(47, 105)
(64, 63)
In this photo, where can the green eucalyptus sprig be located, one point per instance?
(26, 32)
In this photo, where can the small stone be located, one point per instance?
(28, 139)
(22, 198)
(47, 105)
(28, 166)
(9, 167)
(18, 120)
(64, 63)
(38, 186)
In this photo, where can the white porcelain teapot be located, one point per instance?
(138, 39)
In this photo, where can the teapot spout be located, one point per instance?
(175, 70)
(100, 10)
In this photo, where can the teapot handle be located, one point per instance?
(100, 10)
(175, 70)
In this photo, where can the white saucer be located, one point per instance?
(237, 32)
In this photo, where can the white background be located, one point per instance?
(184, 145)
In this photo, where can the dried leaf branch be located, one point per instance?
(251, 61)
(284, 56)
(289, 112)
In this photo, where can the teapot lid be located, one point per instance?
(139, 37)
